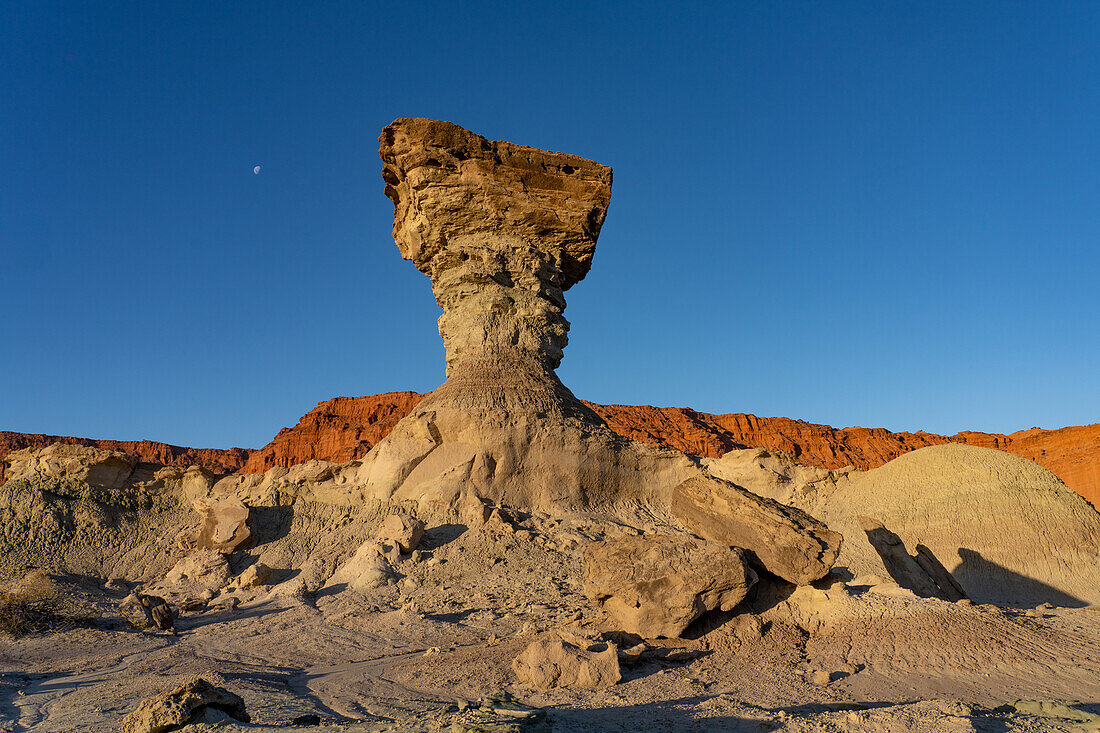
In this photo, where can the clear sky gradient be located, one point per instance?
(877, 214)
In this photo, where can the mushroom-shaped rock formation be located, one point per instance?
(503, 231)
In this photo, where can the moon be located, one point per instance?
(256, 170)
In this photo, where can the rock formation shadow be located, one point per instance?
(923, 574)
(270, 523)
(976, 573)
(440, 535)
(767, 593)
(667, 715)
(266, 608)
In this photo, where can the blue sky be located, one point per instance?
(877, 214)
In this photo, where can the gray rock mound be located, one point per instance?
(1008, 530)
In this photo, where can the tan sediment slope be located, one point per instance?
(1008, 529)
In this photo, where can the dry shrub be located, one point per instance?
(30, 605)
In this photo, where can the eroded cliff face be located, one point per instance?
(214, 460)
(337, 430)
(347, 427)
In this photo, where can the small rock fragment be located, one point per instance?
(224, 524)
(183, 705)
(498, 714)
(748, 628)
(472, 510)
(402, 531)
(254, 576)
(633, 655)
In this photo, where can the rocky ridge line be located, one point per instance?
(346, 428)
(215, 460)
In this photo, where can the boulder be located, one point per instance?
(785, 541)
(223, 524)
(163, 615)
(254, 576)
(657, 585)
(134, 612)
(194, 580)
(366, 569)
(145, 611)
(472, 511)
(403, 531)
(555, 663)
(183, 705)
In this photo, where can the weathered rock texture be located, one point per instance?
(193, 581)
(1006, 529)
(95, 511)
(657, 585)
(223, 523)
(402, 531)
(554, 663)
(181, 706)
(503, 231)
(785, 540)
(214, 460)
(1071, 453)
(346, 428)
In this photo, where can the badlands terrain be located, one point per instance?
(499, 555)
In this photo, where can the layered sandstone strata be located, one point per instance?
(337, 430)
(503, 231)
(346, 428)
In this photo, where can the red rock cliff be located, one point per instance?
(345, 428)
(339, 430)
